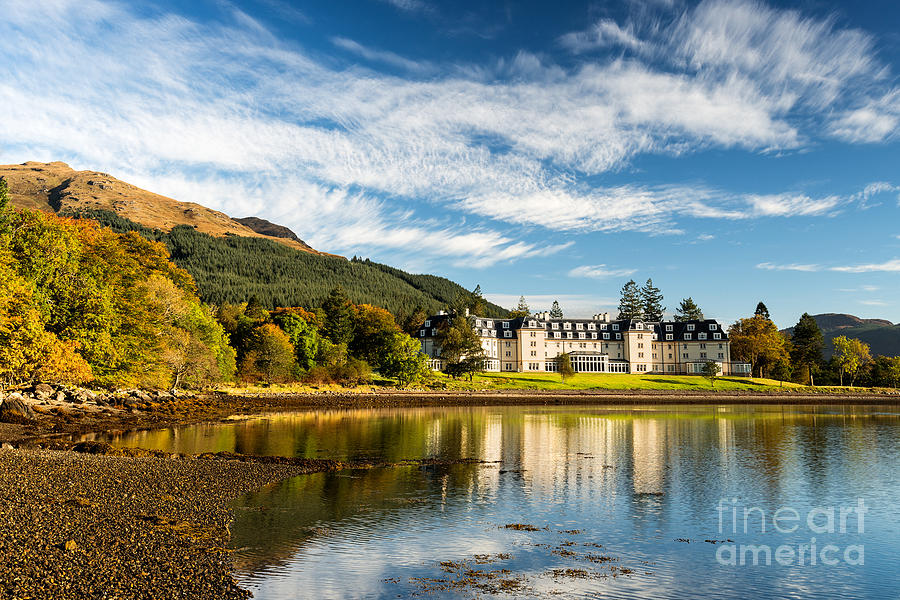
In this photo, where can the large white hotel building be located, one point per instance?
(597, 345)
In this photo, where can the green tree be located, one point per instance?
(807, 345)
(762, 310)
(404, 360)
(631, 306)
(758, 341)
(461, 348)
(711, 370)
(887, 370)
(373, 334)
(564, 366)
(338, 318)
(302, 330)
(270, 355)
(521, 310)
(852, 355)
(555, 311)
(651, 299)
(688, 311)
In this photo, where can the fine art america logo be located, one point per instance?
(826, 522)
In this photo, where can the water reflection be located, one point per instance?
(638, 481)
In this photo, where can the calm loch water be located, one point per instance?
(605, 502)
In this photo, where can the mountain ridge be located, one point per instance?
(883, 336)
(58, 188)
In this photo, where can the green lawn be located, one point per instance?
(615, 381)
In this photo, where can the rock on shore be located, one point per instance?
(84, 526)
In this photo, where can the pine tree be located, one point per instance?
(338, 319)
(522, 310)
(761, 310)
(688, 311)
(631, 306)
(807, 345)
(652, 298)
(555, 311)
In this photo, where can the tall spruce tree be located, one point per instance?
(762, 310)
(807, 345)
(338, 317)
(688, 311)
(652, 298)
(521, 310)
(555, 311)
(631, 305)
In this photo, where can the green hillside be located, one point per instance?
(232, 269)
(882, 336)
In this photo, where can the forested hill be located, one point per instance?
(882, 336)
(233, 268)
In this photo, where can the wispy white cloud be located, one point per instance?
(875, 119)
(874, 302)
(890, 266)
(224, 103)
(382, 56)
(767, 266)
(599, 272)
(603, 34)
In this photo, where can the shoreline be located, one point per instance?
(69, 420)
(87, 520)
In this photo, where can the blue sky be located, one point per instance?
(734, 151)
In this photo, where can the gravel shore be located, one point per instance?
(84, 526)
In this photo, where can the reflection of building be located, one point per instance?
(596, 345)
(648, 461)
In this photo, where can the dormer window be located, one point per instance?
(567, 326)
(591, 326)
(490, 324)
(569, 335)
(669, 327)
(579, 326)
(701, 336)
(687, 336)
(615, 326)
(554, 325)
(532, 324)
(717, 336)
(421, 333)
(606, 336)
(507, 333)
(638, 325)
(669, 336)
(594, 335)
(505, 324)
(603, 326)
(618, 336)
(427, 323)
(477, 322)
(690, 327)
(581, 335)
(713, 326)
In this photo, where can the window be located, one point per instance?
(640, 345)
(477, 322)
(606, 336)
(687, 336)
(533, 353)
(640, 355)
(701, 336)
(685, 355)
(618, 336)
(505, 324)
(640, 336)
(421, 333)
(603, 326)
(508, 354)
(703, 346)
(594, 335)
(554, 325)
(690, 327)
(579, 326)
(703, 355)
(669, 336)
(615, 326)
(591, 326)
(685, 346)
(433, 331)
(671, 367)
(713, 326)
(507, 334)
(668, 328)
(721, 355)
(720, 346)
(569, 335)
(638, 325)
(567, 326)
(717, 336)
(490, 324)
(507, 344)
(581, 335)
(532, 324)
(670, 356)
